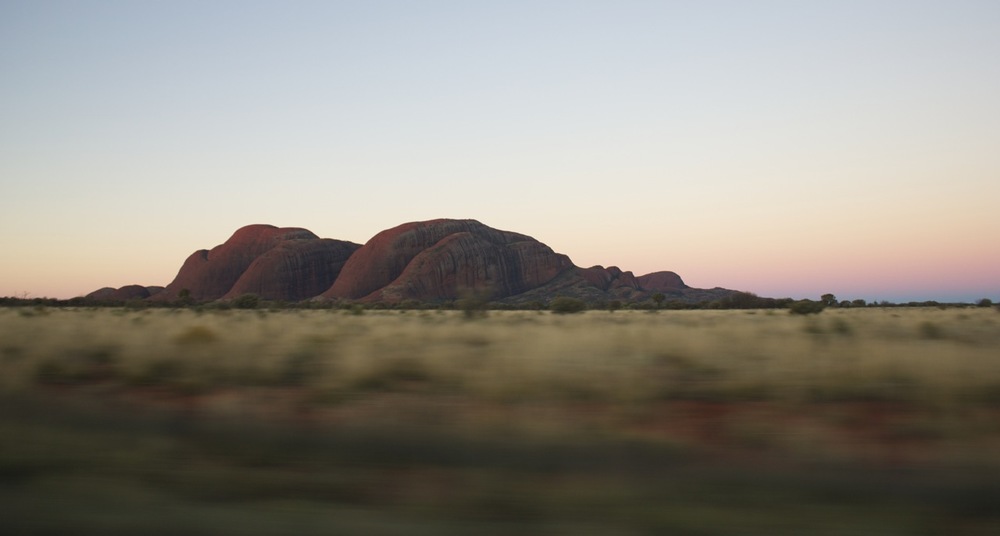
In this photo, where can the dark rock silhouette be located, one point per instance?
(661, 281)
(294, 270)
(126, 293)
(609, 278)
(440, 259)
(429, 261)
(286, 252)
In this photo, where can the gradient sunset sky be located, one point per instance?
(787, 148)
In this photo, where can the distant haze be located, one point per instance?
(779, 147)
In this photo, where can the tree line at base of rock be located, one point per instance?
(477, 305)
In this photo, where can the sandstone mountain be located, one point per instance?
(661, 282)
(440, 259)
(276, 263)
(123, 294)
(431, 261)
(294, 270)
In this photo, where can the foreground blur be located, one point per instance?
(316, 422)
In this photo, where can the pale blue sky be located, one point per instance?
(785, 148)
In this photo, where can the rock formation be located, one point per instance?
(609, 278)
(428, 261)
(294, 270)
(288, 264)
(123, 294)
(661, 282)
(440, 259)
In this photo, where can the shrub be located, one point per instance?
(184, 297)
(410, 305)
(473, 304)
(566, 305)
(813, 327)
(930, 330)
(806, 307)
(196, 335)
(841, 327)
(247, 301)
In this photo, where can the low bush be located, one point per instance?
(930, 330)
(806, 307)
(196, 335)
(567, 305)
(247, 301)
(473, 304)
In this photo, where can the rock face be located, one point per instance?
(598, 285)
(288, 264)
(126, 293)
(609, 278)
(661, 282)
(294, 270)
(440, 259)
(428, 261)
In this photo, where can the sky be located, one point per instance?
(784, 148)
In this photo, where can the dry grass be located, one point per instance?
(744, 422)
(924, 355)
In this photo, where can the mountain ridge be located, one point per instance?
(432, 261)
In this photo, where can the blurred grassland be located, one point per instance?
(928, 356)
(875, 421)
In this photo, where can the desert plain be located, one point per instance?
(865, 420)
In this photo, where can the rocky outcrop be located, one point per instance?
(661, 282)
(440, 259)
(609, 278)
(123, 294)
(281, 252)
(294, 270)
(598, 285)
(428, 261)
